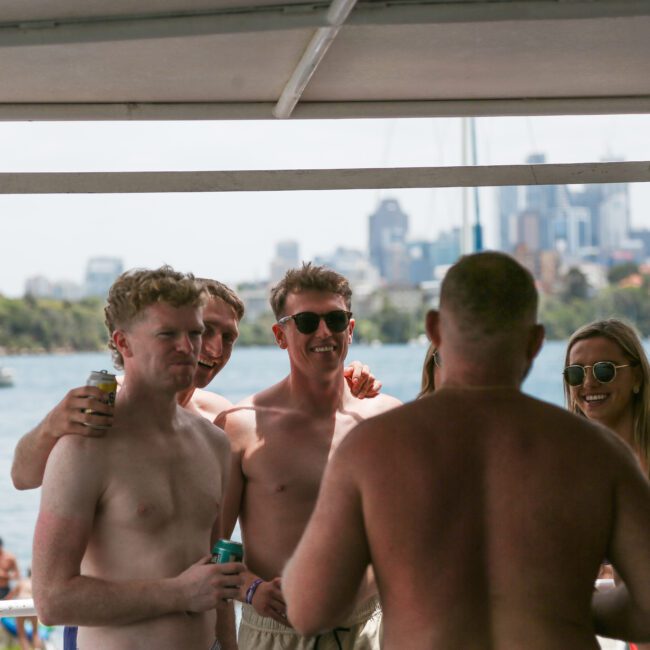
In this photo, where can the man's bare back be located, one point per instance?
(529, 517)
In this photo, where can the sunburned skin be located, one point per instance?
(126, 521)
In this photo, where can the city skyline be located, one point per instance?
(227, 235)
(550, 229)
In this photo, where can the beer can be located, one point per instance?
(106, 382)
(226, 550)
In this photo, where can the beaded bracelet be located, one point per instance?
(250, 592)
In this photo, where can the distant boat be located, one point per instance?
(6, 377)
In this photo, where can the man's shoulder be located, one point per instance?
(245, 411)
(371, 407)
(82, 447)
(209, 404)
(205, 432)
(384, 402)
(79, 462)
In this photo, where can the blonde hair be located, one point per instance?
(137, 289)
(428, 372)
(626, 337)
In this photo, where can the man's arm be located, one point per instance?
(239, 424)
(68, 417)
(624, 612)
(73, 483)
(322, 579)
(234, 423)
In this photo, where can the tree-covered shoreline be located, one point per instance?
(29, 325)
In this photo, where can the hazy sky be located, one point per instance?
(231, 236)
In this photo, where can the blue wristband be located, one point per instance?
(250, 592)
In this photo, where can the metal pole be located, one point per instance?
(478, 230)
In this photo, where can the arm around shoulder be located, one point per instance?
(83, 411)
(30, 458)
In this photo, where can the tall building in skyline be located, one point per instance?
(388, 228)
(287, 256)
(425, 256)
(579, 223)
(101, 272)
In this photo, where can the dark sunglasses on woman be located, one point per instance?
(603, 372)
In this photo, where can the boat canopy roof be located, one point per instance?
(262, 59)
(238, 59)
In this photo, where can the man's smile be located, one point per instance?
(323, 348)
(206, 363)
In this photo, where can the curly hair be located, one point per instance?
(137, 289)
(309, 278)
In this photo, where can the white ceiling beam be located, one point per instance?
(312, 57)
(62, 112)
(321, 179)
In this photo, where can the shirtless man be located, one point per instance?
(485, 513)
(8, 570)
(126, 521)
(281, 440)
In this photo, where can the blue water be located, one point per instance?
(41, 381)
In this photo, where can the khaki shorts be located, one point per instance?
(362, 631)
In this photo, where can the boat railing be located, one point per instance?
(17, 608)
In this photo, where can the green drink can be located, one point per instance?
(226, 550)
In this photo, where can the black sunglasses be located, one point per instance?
(307, 321)
(603, 371)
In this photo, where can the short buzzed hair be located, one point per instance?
(137, 289)
(216, 289)
(309, 278)
(490, 294)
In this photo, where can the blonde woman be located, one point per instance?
(607, 379)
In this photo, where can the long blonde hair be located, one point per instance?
(428, 372)
(628, 340)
